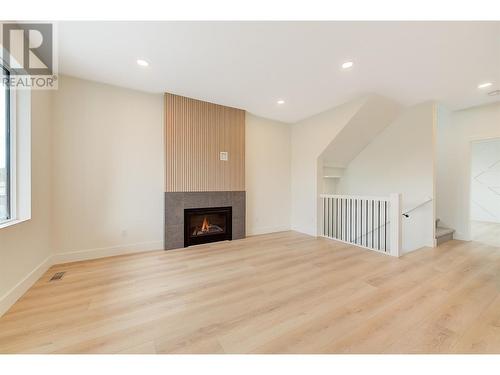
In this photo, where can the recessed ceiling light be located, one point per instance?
(483, 85)
(281, 101)
(141, 62)
(347, 65)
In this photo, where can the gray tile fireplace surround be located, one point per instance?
(175, 203)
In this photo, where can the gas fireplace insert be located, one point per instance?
(203, 225)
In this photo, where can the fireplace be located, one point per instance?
(177, 203)
(203, 225)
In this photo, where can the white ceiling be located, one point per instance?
(250, 65)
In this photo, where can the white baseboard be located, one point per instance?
(309, 232)
(264, 230)
(75, 256)
(9, 298)
(461, 236)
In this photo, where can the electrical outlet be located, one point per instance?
(223, 156)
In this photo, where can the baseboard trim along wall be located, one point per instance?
(9, 298)
(266, 230)
(75, 256)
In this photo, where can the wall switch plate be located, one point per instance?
(223, 156)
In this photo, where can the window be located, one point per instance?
(5, 159)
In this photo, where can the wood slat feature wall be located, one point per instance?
(196, 132)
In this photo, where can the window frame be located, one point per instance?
(19, 110)
(8, 148)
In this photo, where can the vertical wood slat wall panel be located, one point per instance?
(196, 131)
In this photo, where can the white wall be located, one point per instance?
(376, 113)
(108, 169)
(309, 139)
(400, 160)
(455, 132)
(445, 207)
(25, 247)
(485, 181)
(267, 169)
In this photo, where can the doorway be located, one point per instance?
(485, 191)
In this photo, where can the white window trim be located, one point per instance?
(20, 157)
(12, 160)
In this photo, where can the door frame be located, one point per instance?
(473, 140)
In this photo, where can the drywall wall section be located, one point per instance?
(309, 139)
(25, 247)
(267, 168)
(108, 170)
(373, 117)
(455, 133)
(400, 160)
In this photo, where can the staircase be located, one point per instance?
(443, 234)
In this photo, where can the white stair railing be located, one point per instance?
(370, 222)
